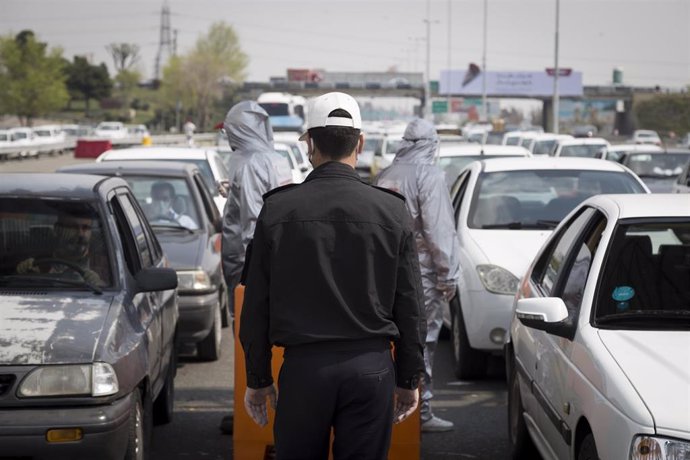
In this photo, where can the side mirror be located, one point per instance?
(548, 314)
(156, 279)
(223, 187)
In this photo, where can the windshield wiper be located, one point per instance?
(50, 279)
(647, 315)
(549, 223)
(508, 225)
(173, 227)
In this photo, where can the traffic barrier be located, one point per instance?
(91, 148)
(252, 442)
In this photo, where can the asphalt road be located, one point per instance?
(203, 395)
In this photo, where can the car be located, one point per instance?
(616, 152)
(75, 131)
(597, 354)
(543, 144)
(88, 320)
(297, 173)
(584, 131)
(50, 139)
(301, 165)
(684, 141)
(453, 158)
(4, 142)
(281, 165)
(646, 136)
(682, 183)
(512, 138)
(591, 147)
(208, 161)
(658, 170)
(192, 246)
(111, 130)
(504, 210)
(385, 150)
(137, 131)
(24, 140)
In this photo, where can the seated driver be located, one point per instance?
(162, 196)
(72, 243)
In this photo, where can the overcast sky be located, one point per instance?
(648, 39)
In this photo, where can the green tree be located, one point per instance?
(665, 113)
(32, 81)
(199, 79)
(87, 81)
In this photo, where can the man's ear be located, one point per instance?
(360, 144)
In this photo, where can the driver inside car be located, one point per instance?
(161, 207)
(71, 255)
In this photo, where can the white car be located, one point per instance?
(646, 136)
(588, 147)
(297, 173)
(615, 152)
(298, 149)
(50, 138)
(208, 161)
(682, 183)
(111, 130)
(453, 158)
(543, 143)
(598, 357)
(504, 210)
(24, 140)
(384, 154)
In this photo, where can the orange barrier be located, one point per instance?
(252, 442)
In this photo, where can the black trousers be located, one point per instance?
(350, 391)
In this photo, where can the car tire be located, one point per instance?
(521, 445)
(468, 363)
(588, 449)
(138, 442)
(209, 348)
(163, 406)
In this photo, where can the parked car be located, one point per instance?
(592, 147)
(453, 158)
(682, 183)
(212, 168)
(75, 131)
(50, 138)
(192, 244)
(88, 318)
(658, 170)
(597, 357)
(23, 139)
(646, 136)
(505, 208)
(110, 130)
(616, 152)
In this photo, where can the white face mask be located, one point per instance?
(161, 208)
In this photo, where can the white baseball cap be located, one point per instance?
(319, 109)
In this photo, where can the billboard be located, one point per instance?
(509, 84)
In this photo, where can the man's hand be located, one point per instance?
(405, 403)
(27, 266)
(255, 403)
(448, 291)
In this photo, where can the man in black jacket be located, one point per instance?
(333, 277)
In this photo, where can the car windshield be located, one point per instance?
(49, 243)
(644, 281)
(275, 109)
(371, 144)
(206, 174)
(19, 135)
(109, 127)
(285, 154)
(539, 198)
(513, 140)
(166, 201)
(42, 132)
(544, 147)
(4, 137)
(657, 165)
(452, 166)
(582, 150)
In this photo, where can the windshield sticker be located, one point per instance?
(623, 293)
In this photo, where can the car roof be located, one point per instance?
(563, 163)
(81, 186)
(645, 205)
(152, 168)
(552, 136)
(155, 153)
(453, 150)
(584, 140)
(661, 152)
(646, 148)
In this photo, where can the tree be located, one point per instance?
(87, 81)
(665, 113)
(32, 82)
(125, 55)
(198, 80)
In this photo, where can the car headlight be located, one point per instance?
(193, 280)
(97, 379)
(497, 279)
(657, 448)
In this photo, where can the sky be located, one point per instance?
(648, 39)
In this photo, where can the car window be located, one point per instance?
(544, 147)
(222, 169)
(539, 198)
(583, 150)
(285, 154)
(554, 261)
(154, 245)
(135, 223)
(129, 244)
(209, 206)
(297, 154)
(166, 201)
(656, 165)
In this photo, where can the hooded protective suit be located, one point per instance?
(414, 175)
(251, 175)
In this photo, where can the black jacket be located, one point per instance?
(333, 260)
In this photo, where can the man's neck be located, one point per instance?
(350, 160)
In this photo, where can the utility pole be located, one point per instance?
(427, 83)
(555, 104)
(164, 40)
(485, 110)
(449, 58)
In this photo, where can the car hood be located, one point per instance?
(656, 364)
(183, 249)
(510, 249)
(40, 329)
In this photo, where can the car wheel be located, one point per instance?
(224, 311)
(521, 445)
(163, 406)
(468, 363)
(588, 449)
(137, 444)
(209, 348)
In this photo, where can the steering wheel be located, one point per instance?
(66, 263)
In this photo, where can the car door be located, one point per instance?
(561, 271)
